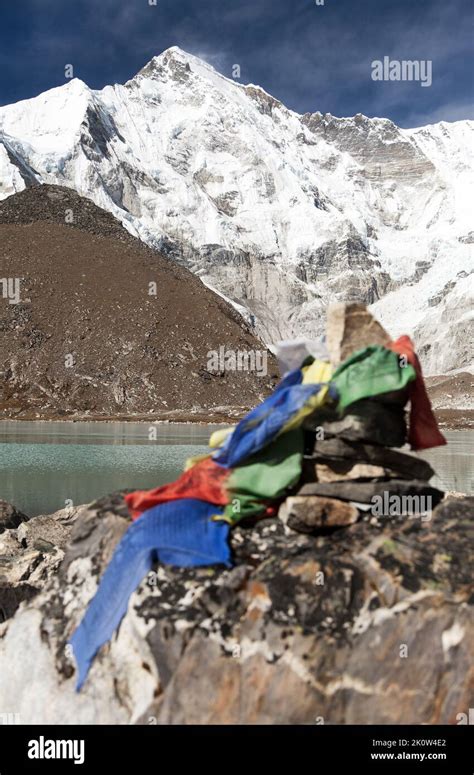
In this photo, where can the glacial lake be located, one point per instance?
(43, 465)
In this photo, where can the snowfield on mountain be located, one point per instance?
(279, 212)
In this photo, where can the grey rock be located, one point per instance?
(47, 531)
(10, 517)
(397, 463)
(12, 596)
(314, 513)
(369, 421)
(302, 627)
(30, 555)
(350, 327)
(458, 507)
(340, 470)
(365, 492)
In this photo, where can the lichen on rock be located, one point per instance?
(303, 626)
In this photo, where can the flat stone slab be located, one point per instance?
(307, 514)
(371, 422)
(372, 492)
(342, 470)
(404, 465)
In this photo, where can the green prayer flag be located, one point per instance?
(370, 372)
(265, 476)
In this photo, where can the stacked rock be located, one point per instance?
(350, 468)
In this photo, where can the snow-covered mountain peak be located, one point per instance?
(50, 121)
(177, 54)
(278, 211)
(177, 66)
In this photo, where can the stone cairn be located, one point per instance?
(351, 469)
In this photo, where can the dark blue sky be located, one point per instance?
(311, 57)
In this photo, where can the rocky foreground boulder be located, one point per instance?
(368, 623)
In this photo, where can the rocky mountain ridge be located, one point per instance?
(107, 327)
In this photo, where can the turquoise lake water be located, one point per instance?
(43, 465)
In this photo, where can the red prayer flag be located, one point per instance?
(205, 481)
(424, 432)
